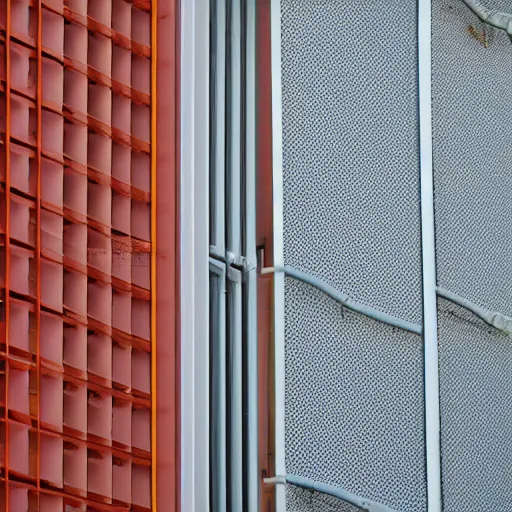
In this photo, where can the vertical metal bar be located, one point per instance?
(221, 427)
(235, 391)
(220, 126)
(277, 181)
(234, 131)
(7, 237)
(429, 263)
(154, 503)
(38, 238)
(251, 327)
(201, 244)
(219, 477)
(194, 263)
(234, 246)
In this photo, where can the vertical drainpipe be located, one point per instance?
(234, 131)
(277, 183)
(218, 383)
(234, 255)
(219, 390)
(432, 409)
(220, 126)
(251, 337)
(235, 391)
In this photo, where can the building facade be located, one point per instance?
(254, 255)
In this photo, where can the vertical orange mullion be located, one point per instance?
(177, 245)
(7, 236)
(153, 254)
(38, 243)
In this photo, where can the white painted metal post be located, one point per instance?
(277, 172)
(194, 256)
(251, 301)
(432, 410)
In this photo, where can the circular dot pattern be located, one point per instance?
(472, 134)
(303, 500)
(350, 148)
(476, 418)
(354, 408)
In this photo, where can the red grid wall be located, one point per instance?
(75, 217)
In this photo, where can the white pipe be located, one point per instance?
(497, 320)
(345, 300)
(235, 390)
(220, 125)
(218, 435)
(234, 249)
(431, 356)
(330, 490)
(278, 242)
(235, 126)
(251, 263)
(501, 20)
(493, 318)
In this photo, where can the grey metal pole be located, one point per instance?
(234, 253)
(235, 390)
(218, 411)
(235, 126)
(251, 327)
(219, 135)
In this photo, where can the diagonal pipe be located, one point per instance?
(329, 490)
(501, 20)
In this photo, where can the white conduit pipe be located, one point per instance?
(345, 300)
(251, 262)
(501, 20)
(497, 320)
(330, 490)
(493, 318)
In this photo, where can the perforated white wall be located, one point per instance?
(354, 397)
(476, 419)
(473, 213)
(301, 500)
(354, 387)
(354, 401)
(471, 87)
(350, 148)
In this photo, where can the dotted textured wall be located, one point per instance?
(350, 149)
(354, 401)
(473, 214)
(476, 419)
(354, 387)
(302, 500)
(472, 154)
(75, 244)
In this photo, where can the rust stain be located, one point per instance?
(481, 37)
